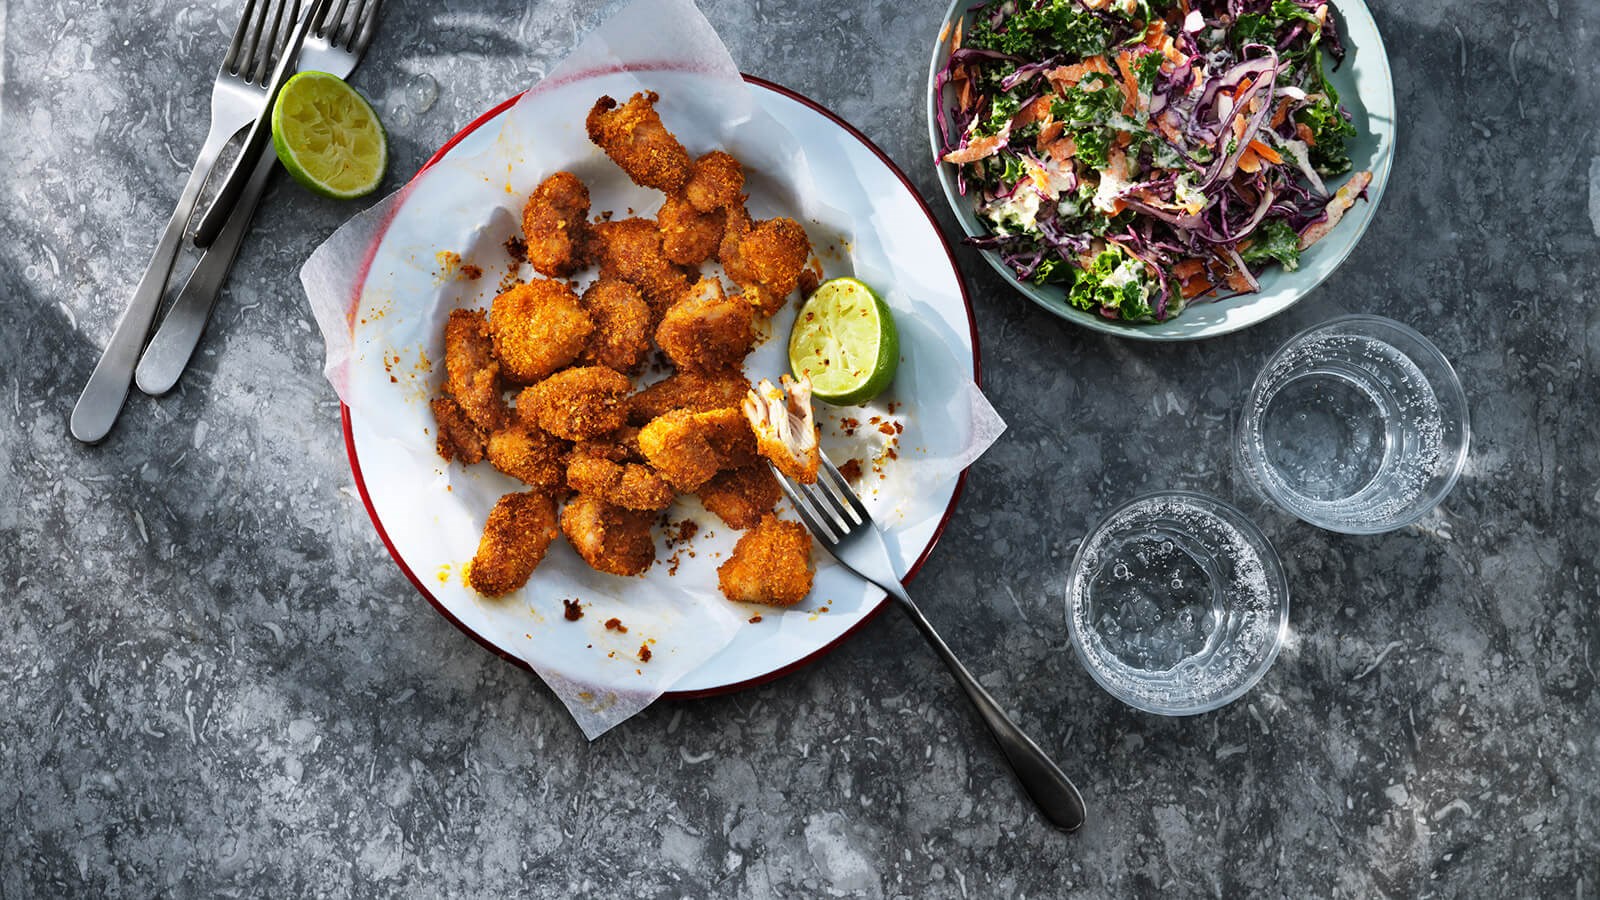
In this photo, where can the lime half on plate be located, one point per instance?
(844, 340)
(328, 136)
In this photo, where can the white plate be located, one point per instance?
(896, 244)
(1366, 89)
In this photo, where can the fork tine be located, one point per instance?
(332, 23)
(811, 520)
(264, 59)
(845, 493)
(369, 26)
(248, 60)
(240, 32)
(829, 506)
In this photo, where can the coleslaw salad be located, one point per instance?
(1144, 154)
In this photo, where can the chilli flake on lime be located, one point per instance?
(328, 136)
(845, 341)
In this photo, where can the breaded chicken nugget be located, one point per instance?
(633, 136)
(528, 452)
(628, 485)
(689, 236)
(740, 496)
(555, 225)
(630, 250)
(457, 437)
(576, 404)
(764, 258)
(687, 390)
(472, 374)
(706, 331)
(785, 426)
(716, 182)
(771, 564)
(515, 538)
(688, 448)
(538, 327)
(622, 324)
(610, 539)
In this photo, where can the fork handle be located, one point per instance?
(102, 398)
(1056, 796)
(179, 333)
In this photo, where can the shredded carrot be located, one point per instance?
(956, 44)
(1281, 113)
(1238, 126)
(1155, 37)
(1124, 139)
(1063, 149)
(1048, 134)
(1188, 268)
(1033, 112)
(1266, 153)
(1238, 282)
(1306, 134)
(1194, 287)
(1249, 163)
(1130, 84)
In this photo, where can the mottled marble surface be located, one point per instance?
(213, 682)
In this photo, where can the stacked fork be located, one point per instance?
(273, 36)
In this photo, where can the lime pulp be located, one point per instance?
(328, 136)
(845, 341)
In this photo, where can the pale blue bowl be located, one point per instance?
(1367, 91)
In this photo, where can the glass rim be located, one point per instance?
(1271, 565)
(1450, 393)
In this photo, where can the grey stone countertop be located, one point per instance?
(214, 682)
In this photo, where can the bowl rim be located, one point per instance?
(1450, 392)
(1272, 568)
(1381, 167)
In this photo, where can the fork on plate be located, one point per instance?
(335, 44)
(838, 519)
(238, 97)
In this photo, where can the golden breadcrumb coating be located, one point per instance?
(515, 538)
(633, 136)
(688, 447)
(630, 250)
(528, 452)
(576, 404)
(764, 258)
(610, 539)
(622, 323)
(716, 182)
(628, 485)
(456, 436)
(555, 225)
(689, 237)
(687, 390)
(740, 496)
(538, 327)
(706, 331)
(771, 564)
(472, 374)
(621, 445)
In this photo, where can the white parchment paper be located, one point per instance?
(383, 285)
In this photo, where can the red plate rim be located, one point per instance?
(955, 497)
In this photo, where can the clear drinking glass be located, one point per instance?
(1176, 603)
(1358, 425)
